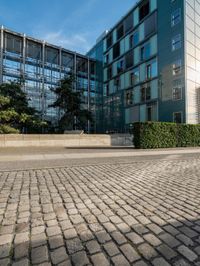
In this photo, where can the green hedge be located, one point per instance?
(151, 135)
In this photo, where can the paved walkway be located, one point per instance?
(113, 212)
(34, 154)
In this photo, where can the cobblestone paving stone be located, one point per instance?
(140, 213)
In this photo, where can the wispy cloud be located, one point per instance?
(76, 42)
(72, 33)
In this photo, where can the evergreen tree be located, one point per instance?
(15, 111)
(7, 116)
(68, 102)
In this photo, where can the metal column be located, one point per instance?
(1, 55)
(60, 70)
(60, 61)
(42, 93)
(75, 72)
(23, 61)
(88, 93)
(75, 82)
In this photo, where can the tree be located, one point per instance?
(7, 116)
(69, 104)
(15, 111)
(18, 98)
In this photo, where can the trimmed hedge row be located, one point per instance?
(151, 135)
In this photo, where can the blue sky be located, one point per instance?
(73, 24)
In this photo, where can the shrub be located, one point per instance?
(151, 135)
(5, 129)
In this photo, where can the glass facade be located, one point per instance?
(151, 65)
(130, 69)
(96, 53)
(151, 68)
(146, 68)
(41, 66)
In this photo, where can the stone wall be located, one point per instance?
(65, 140)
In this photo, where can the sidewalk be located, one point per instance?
(30, 154)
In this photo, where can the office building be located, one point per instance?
(145, 68)
(151, 65)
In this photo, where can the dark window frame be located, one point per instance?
(129, 59)
(129, 94)
(109, 41)
(148, 71)
(149, 115)
(116, 50)
(120, 66)
(120, 31)
(144, 10)
(128, 23)
(109, 72)
(177, 120)
(145, 93)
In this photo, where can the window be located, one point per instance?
(149, 113)
(176, 93)
(92, 68)
(120, 31)
(148, 93)
(116, 50)
(106, 59)
(142, 53)
(109, 41)
(129, 59)
(134, 39)
(176, 17)
(128, 23)
(120, 66)
(154, 69)
(129, 97)
(150, 25)
(145, 52)
(176, 42)
(34, 51)
(117, 83)
(177, 117)
(13, 44)
(148, 71)
(135, 77)
(107, 89)
(177, 90)
(109, 72)
(151, 69)
(144, 10)
(176, 67)
(145, 94)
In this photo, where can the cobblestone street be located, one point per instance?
(135, 213)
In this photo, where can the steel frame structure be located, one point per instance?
(41, 66)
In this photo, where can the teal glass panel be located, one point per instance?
(143, 113)
(136, 17)
(154, 89)
(137, 94)
(136, 56)
(141, 32)
(153, 5)
(153, 42)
